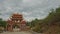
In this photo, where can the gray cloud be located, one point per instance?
(30, 9)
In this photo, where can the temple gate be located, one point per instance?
(16, 20)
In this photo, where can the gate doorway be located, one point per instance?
(16, 28)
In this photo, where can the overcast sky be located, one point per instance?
(30, 9)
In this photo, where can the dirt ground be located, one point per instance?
(16, 33)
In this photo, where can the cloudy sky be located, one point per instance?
(30, 9)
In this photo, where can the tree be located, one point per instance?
(2, 23)
(34, 22)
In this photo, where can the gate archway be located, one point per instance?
(16, 20)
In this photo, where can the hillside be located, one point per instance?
(49, 25)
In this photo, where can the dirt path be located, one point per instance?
(16, 33)
(22, 32)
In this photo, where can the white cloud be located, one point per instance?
(30, 9)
